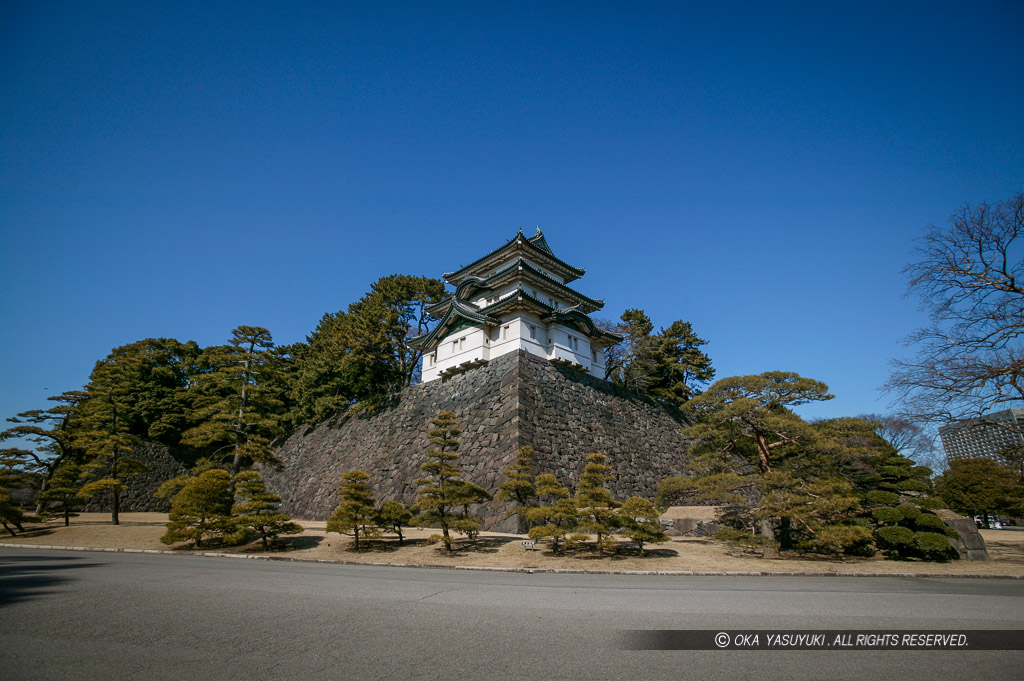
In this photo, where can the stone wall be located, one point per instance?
(515, 400)
(162, 463)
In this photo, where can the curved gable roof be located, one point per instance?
(454, 311)
(536, 246)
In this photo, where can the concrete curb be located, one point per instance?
(527, 570)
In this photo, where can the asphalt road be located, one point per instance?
(81, 616)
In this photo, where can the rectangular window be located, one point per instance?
(433, 358)
(504, 332)
(533, 332)
(462, 344)
(455, 344)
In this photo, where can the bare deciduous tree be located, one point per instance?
(969, 276)
(908, 439)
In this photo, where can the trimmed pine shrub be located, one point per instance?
(930, 503)
(908, 514)
(934, 546)
(896, 542)
(887, 515)
(929, 522)
(877, 497)
(851, 540)
(912, 486)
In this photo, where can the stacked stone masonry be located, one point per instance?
(515, 400)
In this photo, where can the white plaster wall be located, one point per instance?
(504, 338)
(463, 346)
(538, 344)
(562, 349)
(494, 296)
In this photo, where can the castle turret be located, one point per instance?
(514, 298)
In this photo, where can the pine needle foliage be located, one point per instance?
(201, 509)
(236, 402)
(256, 510)
(49, 433)
(11, 461)
(104, 428)
(392, 517)
(519, 488)
(638, 520)
(444, 497)
(61, 495)
(596, 506)
(557, 514)
(355, 514)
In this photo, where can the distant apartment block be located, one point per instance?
(984, 438)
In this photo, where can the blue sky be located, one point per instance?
(758, 169)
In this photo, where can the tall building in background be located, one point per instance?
(517, 297)
(984, 438)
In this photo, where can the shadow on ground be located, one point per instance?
(36, 531)
(24, 577)
(284, 544)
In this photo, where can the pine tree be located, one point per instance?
(393, 516)
(238, 405)
(680, 367)
(355, 514)
(558, 517)
(50, 432)
(518, 487)
(597, 508)
(638, 520)
(444, 497)
(62, 491)
(104, 421)
(465, 494)
(257, 510)
(756, 410)
(359, 355)
(669, 366)
(10, 514)
(12, 474)
(201, 509)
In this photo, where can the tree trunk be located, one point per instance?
(116, 508)
(785, 534)
(763, 453)
(42, 490)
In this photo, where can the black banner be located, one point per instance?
(838, 639)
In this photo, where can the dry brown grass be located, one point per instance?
(682, 554)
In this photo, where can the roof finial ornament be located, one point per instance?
(538, 231)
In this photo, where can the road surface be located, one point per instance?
(90, 615)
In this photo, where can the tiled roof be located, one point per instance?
(469, 282)
(537, 244)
